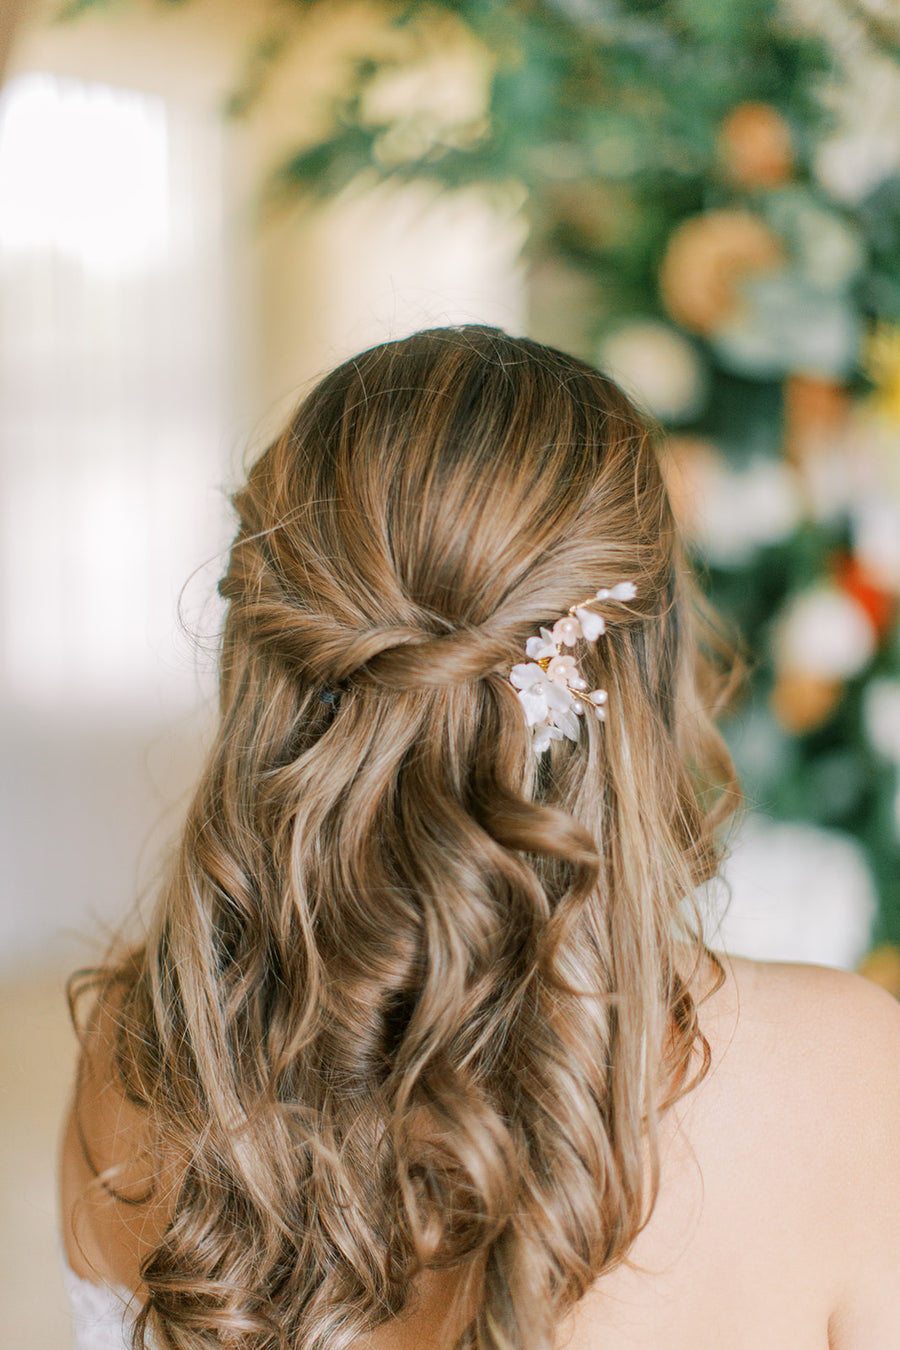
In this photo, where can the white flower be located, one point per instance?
(881, 710)
(549, 707)
(824, 632)
(659, 365)
(563, 670)
(623, 590)
(790, 891)
(876, 541)
(530, 682)
(539, 647)
(737, 511)
(542, 736)
(592, 625)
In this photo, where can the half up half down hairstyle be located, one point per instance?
(412, 996)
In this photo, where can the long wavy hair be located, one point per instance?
(413, 997)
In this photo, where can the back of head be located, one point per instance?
(412, 994)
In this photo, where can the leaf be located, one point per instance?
(260, 63)
(325, 168)
(75, 8)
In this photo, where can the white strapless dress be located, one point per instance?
(101, 1314)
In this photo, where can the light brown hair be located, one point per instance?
(411, 996)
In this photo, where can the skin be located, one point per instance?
(778, 1218)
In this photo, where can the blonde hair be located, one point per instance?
(411, 996)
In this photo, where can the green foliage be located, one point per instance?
(74, 9)
(610, 115)
(259, 65)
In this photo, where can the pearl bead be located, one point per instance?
(577, 707)
(576, 682)
(566, 630)
(599, 696)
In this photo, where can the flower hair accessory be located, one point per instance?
(550, 686)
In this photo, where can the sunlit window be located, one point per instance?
(84, 170)
(113, 387)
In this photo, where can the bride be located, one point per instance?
(423, 1046)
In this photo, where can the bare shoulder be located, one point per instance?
(109, 1180)
(824, 985)
(822, 1047)
(835, 1020)
(832, 1035)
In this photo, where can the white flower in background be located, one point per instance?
(737, 511)
(828, 251)
(876, 539)
(834, 253)
(864, 147)
(783, 325)
(824, 632)
(881, 713)
(851, 166)
(829, 477)
(854, 468)
(658, 366)
(792, 892)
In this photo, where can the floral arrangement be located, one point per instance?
(712, 200)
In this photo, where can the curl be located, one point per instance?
(410, 1001)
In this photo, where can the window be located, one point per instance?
(114, 389)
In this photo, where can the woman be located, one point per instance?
(423, 1046)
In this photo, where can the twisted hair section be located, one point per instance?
(411, 1000)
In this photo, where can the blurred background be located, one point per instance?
(205, 204)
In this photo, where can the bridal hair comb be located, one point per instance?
(550, 687)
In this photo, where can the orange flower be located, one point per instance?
(706, 258)
(802, 702)
(882, 966)
(854, 578)
(755, 144)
